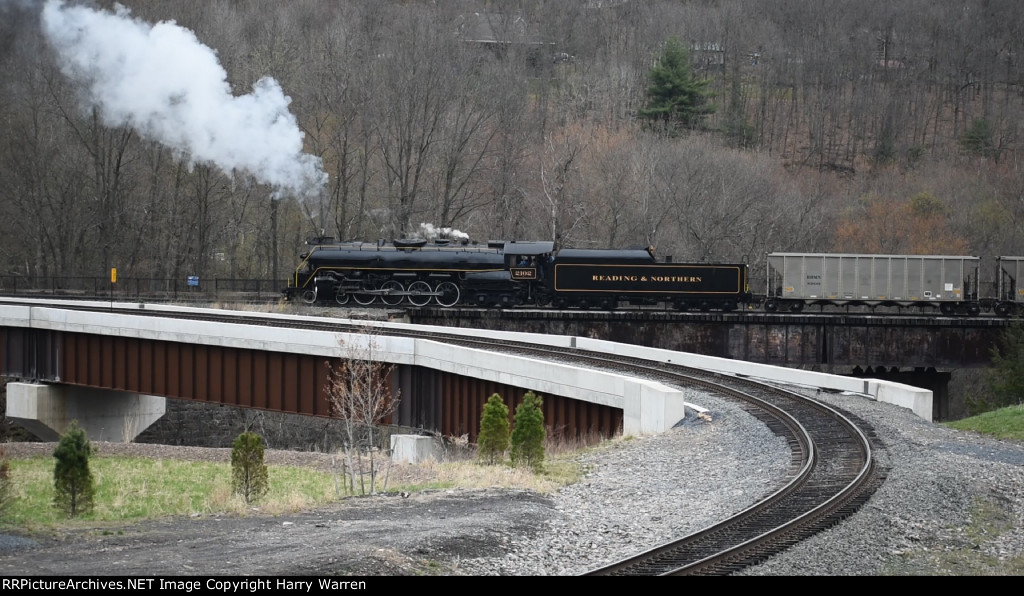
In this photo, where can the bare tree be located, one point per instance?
(559, 170)
(361, 397)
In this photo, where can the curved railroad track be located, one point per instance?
(832, 473)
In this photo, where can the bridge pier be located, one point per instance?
(48, 410)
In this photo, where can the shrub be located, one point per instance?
(73, 487)
(493, 438)
(528, 433)
(248, 471)
(1004, 380)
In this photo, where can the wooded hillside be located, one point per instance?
(870, 126)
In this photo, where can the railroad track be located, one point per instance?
(832, 472)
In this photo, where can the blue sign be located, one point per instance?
(193, 280)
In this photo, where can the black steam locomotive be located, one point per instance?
(506, 274)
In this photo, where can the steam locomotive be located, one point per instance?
(502, 274)
(505, 274)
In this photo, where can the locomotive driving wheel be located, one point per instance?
(447, 294)
(363, 297)
(419, 293)
(391, 293)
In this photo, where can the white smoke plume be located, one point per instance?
(430, 231)
(163, 82)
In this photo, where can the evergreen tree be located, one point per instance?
(528, 433)
(493, 438)
(248, 471)
(675, 97)
(978, 139)
(73, 487)
(1005, 379)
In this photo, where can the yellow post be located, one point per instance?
(113, 275)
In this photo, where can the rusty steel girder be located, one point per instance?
(432, 400)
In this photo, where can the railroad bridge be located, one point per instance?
(116, 367)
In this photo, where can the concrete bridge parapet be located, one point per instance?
(913, 398)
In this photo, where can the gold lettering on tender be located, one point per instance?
(686, 279)
(613, 278)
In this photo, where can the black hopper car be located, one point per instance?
(505, 274)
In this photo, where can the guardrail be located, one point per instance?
(128, 288)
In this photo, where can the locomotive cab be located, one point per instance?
(522, 279)
(525, 260)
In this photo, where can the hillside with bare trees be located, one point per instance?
(212, 137)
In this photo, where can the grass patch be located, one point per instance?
(1004, 423)
(968, 558)
(134, 489)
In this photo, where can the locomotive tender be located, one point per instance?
(504, 274)
(515, 273)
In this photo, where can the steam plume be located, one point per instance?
(163, 82)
